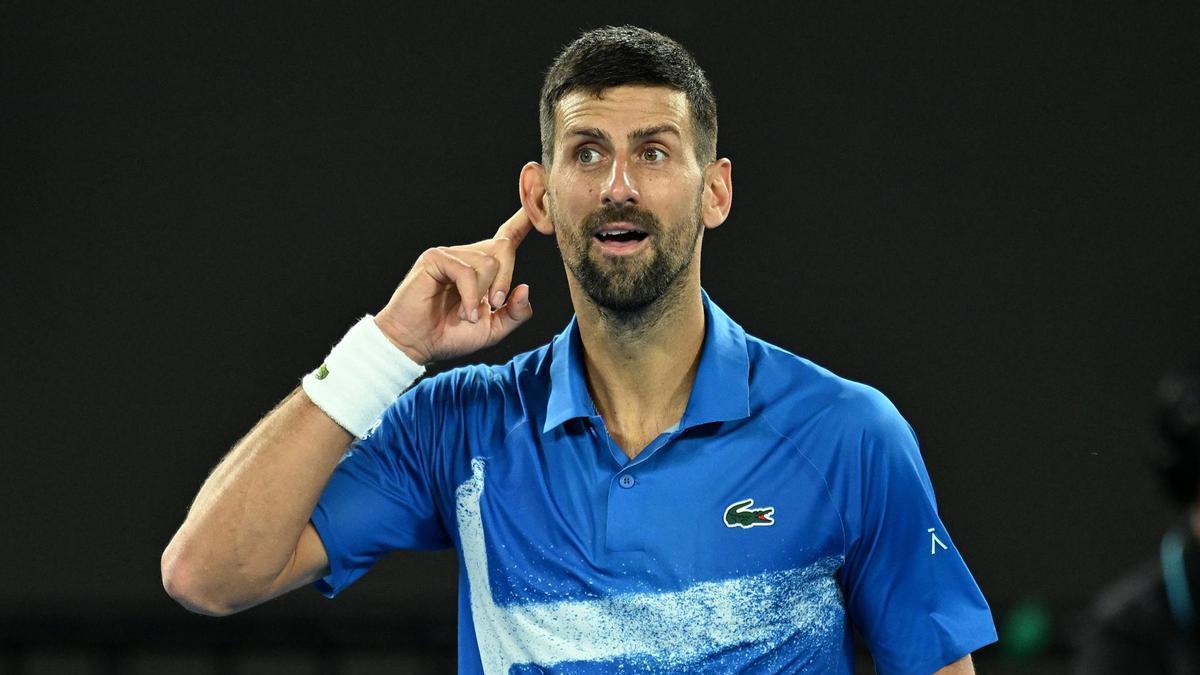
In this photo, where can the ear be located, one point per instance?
(718, 193)
(532, 186)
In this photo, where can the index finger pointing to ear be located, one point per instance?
(515, 228)
(512, 232)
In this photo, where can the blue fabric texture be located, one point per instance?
(787, 507)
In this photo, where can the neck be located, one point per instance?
(640, 369)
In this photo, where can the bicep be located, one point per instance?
(309, 562)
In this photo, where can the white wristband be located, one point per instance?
(361, 377)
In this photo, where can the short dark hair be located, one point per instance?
(616, 55)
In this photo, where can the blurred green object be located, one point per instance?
(1026, 633)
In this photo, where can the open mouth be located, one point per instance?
(620, 236)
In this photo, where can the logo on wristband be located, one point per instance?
(322, 372)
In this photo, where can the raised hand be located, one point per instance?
(456, 299)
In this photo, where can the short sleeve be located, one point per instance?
(908, 590)
(382, 496)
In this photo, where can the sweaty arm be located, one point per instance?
(247, 537)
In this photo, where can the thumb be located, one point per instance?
(515, 312)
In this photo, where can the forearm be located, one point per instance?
(241, 531)
(245, 538)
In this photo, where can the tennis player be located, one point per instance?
(654, 490)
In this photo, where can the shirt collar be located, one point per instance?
(721, 391)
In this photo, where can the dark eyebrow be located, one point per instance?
(635, 135)
(647, 132)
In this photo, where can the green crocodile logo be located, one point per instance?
(739, 514)
(322, 372)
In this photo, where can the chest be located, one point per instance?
(567, 516)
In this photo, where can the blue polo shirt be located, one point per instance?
(788, 506)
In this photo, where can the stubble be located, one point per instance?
(630, 292)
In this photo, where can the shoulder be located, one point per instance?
(481, 390)
(795, 395)
(849, 431)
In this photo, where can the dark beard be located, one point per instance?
(626, 290)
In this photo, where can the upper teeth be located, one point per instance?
(608, 232)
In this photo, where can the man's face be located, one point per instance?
(624, 192)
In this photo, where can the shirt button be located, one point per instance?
(626, 481)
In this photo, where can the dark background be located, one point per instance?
(990, 214)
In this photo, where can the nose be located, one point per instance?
(619, 189)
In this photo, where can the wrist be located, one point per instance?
(417, 355)
(361, 377)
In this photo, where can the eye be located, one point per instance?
(654, 154)
(587, 156)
